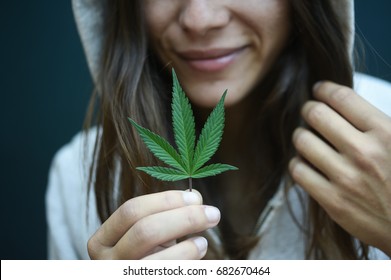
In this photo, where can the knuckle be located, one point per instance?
(368, 157)
(336, 208)
(359, 153)
(387, 130)
(350, 181)
(353, 185)
(130, 210)
(341, 94)
(375, 155)
(144, 231)
(374, 163)
(295, 170)
(170, 200)
(300, 139)
(92, 248)
(314, 112)
(384, 133)
(193, 219)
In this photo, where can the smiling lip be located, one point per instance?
(211, 60)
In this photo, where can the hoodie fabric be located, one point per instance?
(71, 221)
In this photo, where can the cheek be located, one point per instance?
(269, 19)
(158, 15)
(272, 27)
(279, 22)
(153, 24)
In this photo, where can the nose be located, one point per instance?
(200, 16)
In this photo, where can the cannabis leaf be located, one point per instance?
(187, 162)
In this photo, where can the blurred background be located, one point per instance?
(45, 87)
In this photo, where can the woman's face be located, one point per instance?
(215, 45)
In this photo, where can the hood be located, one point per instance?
(89, 21)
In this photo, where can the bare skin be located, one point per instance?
(147, 227)
(350, 174)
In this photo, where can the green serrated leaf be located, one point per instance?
(164, 173)
(186, 163)
(213, 169)
(183, 124)
(210, 136)
(159, 147)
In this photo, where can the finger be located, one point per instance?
(349, 104)
(134, 209)
(162, 247)
(159, 228)
(168, 243)
(320, 154)
(330, 125)
(191, 249)
(316, 185)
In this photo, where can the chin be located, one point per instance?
(210, 99)
(206, 101)
(207, 95)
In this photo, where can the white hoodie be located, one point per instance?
(70, 223)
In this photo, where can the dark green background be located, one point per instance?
(45, 86)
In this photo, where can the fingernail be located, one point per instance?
(191, 198)
(317, 85)
(212, 214)
(295, 167)
(202, 244)
(292, 163)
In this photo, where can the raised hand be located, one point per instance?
(346, 167)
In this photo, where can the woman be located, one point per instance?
(283, 125)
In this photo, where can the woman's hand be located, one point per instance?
(348, 169)
(147, 227)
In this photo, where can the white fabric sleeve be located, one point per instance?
(375, 91)
(66, 202)
(60, 243)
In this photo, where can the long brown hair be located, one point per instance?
(131, 82)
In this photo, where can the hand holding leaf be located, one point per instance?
(187, 162)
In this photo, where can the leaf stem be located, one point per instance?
(190, 184)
